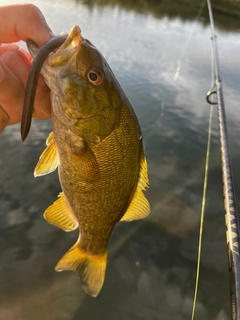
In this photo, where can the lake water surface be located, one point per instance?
(163, 63)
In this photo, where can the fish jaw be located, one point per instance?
(59, 58)
(67, 49)
(64, 52)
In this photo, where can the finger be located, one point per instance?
(10, 46)
(13, 46)
(31, 25)
(18, 63)
(11, 96)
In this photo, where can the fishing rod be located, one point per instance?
(231, 213)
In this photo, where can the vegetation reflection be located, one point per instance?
(226, 12)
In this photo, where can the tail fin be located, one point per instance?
(91, 268)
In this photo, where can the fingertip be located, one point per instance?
(11, 97)
(51, 34)
(8, 46)
(16, 62)
(40, 30)
(32, 24)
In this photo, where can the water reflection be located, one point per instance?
(226, 13)
(151, 269)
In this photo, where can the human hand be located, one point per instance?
(15, 62)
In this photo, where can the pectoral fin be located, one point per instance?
(48, 160)
(139, 207)
(60, 215)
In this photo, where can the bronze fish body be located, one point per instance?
(96, 144)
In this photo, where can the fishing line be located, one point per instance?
(205, 181)
(202, 211)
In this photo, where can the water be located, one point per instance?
(163, 61)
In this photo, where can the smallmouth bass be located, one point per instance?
(96, 144)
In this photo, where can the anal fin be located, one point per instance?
(60, 215)
(48, 160)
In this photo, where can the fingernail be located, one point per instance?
(15, 62)
(8, 46)
(2, 73)
(51, 34)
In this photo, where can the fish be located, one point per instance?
(97, 146)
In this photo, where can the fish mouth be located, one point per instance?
(70, 46)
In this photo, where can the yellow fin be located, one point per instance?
(60, 215)
(139, 207)
(91, 268)
(48, 160)
(49, 138)
(143, 181)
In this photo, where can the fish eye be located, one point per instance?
(94, 77)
